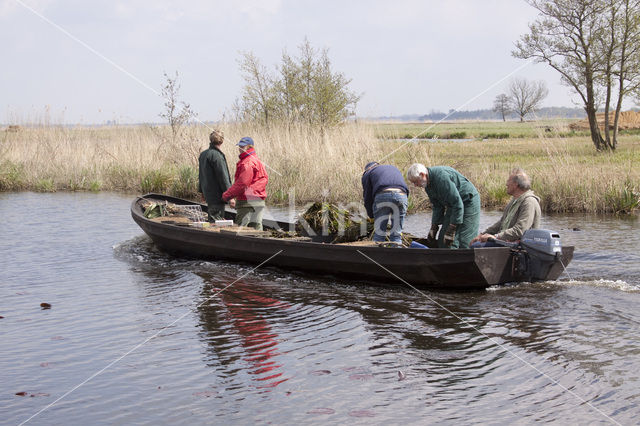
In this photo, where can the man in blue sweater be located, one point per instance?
(385, 194)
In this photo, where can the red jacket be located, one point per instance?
(250, 180)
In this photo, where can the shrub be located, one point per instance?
(155, 181)
(495, 195)
(11, 176)
(457, 135)
(494, 136)
(186, 183)
(45, 185)
(278, 196)
(623, 200)
(121, 178)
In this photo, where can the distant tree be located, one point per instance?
(176, 112)
(333, 102)
(525, 97)
(502, 106)
(306, 90)
(259, 97)
(290, 91)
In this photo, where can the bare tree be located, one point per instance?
(525, 97)
(176, 112)
(624, 60)
(502, 106)
(565, 38)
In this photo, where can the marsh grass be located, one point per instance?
(307, 166)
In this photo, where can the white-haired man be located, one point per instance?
(455, 203)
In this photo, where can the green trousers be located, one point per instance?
(467, 230)
(249, 213)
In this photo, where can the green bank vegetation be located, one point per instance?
(309, 165)
(478, 130)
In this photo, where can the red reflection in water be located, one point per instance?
(259, 341)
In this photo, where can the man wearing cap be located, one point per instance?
(249, 187)
(385, 194)
(455, 204)
(213, 176)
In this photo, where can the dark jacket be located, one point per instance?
(213, 175)
(378, 178)
(251, 178)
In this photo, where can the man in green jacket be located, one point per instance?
(522, 213)
(213, 176)
(455, 203)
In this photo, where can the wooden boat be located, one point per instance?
(421, 268)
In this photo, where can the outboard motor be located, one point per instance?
(542, 249)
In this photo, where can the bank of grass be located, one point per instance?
(477, 129)
(306, 165)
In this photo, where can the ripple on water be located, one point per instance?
(287, 347)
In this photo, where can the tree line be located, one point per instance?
(490, 114)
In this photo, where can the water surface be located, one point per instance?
(136, 336)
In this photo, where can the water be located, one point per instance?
(135, 336)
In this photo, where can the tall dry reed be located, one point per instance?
(306, 165)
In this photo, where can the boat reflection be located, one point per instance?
(239, 315)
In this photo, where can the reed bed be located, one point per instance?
(306, 165)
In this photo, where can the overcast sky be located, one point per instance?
(93, 61)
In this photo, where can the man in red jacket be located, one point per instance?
(249, 187)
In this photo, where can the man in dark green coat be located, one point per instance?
(213, 176)
(455, 202)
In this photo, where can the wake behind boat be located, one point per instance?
(541, 258)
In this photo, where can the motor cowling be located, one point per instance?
(541, 250)
(542, 240)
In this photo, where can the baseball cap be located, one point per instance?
(245, 141)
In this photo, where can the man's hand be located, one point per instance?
(450, 235)
(431, 237)
(232, 203)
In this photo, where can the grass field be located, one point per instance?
(477, 129)
(305, 165)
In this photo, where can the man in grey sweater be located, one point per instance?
(522, 212)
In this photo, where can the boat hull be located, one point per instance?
(431, 268)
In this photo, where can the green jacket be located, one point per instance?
(213, 175)
(450, 193)
(454, 200)
(526, 217)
